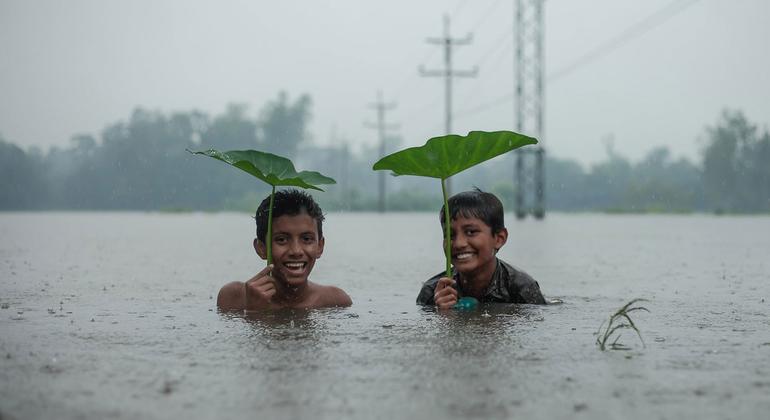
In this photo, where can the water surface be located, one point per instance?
(112, 315)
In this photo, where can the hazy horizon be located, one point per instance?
(75, 67)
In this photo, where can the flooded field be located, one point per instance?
(113, 315)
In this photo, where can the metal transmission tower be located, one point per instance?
(529, 65)
(380, 106)
(448, 73)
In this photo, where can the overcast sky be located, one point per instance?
(74, 66)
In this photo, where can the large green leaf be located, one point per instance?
(442, 157)
(273, 169)
(276, 170)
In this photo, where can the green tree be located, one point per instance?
(660, 184)
(22, 185)
(232, 130)
(736, 165)
(283, 125)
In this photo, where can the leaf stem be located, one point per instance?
(269, 238)
(447, 236)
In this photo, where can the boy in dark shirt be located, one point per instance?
(477, 232)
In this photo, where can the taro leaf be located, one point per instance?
(273, 169)
(442, 157)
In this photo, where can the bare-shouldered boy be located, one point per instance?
(297, 243)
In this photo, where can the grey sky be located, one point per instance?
(70, 67)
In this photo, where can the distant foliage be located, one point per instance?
(283, 125)
(736, 166)
(141, 164)
(21, 180)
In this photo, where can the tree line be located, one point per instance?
(142, 164)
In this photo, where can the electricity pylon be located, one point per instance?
(529, 68)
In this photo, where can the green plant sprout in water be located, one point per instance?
(276, 171)
(620, 320)
(442, 157)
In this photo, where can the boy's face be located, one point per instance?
(474, 245)
(296, 246)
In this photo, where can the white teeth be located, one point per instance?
(294, 265)
(463, 256)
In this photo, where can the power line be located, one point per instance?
(460, 5)
(487, 105)
(498, 42)
(448, 72)
(498, 101)
(419, 112)
(409, 79)
(500, 47)
(652, 21)
(486, 15)
(497, 45)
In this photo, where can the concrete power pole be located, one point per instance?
(448, 73)
(346, 186)
(380, 106)
(529, 65)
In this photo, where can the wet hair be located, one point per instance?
(478, 204)
(289, 202)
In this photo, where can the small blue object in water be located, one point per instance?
(466, 303)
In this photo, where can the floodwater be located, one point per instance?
(113, 315)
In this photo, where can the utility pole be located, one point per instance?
(339, 160)
(448, 73)
(380, 106)
(346, 187)
(529, 65)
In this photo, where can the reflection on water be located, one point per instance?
(113, 315)
(292, 330)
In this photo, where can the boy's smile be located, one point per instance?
(296, 246)
(474, 247)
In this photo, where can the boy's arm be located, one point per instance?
(445, 295)
(532, 294)
(334, 296)
(528, 290)
(255, 294)
(426, 293)
(231, 297)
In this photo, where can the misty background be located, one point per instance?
(650, 106)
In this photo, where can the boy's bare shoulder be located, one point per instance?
(231, 297)
(331, 296)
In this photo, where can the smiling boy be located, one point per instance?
(298, 242)
(477, 232)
